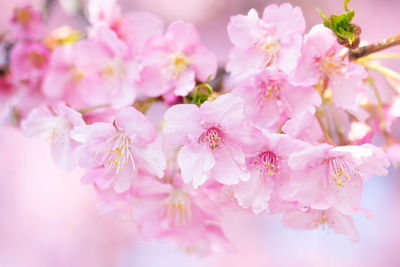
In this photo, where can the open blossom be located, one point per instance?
(267, 162)
(310, 219)
(333, 176)
(114, 153)
(54, 124)
(269, 98)
(322, 62)
(173, 62)
(26, 24)
(274, 40)
(211, 137)
(93, 72)
(29, 62)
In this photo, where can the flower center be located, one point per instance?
(57, 130)
(273, 89)
(339, 173)
(76, 75)
(37, 59)
(178, 63)
(320, 219)
(330, 63)
(23, 16)
(179, 210)
(270, 46)
(117, 152)
(269, 165)
(213, 137)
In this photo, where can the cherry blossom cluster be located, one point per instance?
(287, 129)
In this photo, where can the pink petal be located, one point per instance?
(152, 81)
(204, 63)
(195, 164)
(227, 111)
(151, 158)
(185, 83)
(86, 133)
(244, 31)
(300, 99)
(182, 124)
(135, 125)
(136, 27)
(226, 170)
(183, 36)
(279, 16)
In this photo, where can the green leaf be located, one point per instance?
(341, 24)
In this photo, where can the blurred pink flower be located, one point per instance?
(29, 62)
(270, 99)
(312, 219)
(134, 28)
(54, 125)
(274, 40)
(173, 62)
(93, 72)
(26, 24)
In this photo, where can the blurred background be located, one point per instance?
(48, 219)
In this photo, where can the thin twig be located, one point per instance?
(373, 48)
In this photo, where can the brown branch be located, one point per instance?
(372, 48)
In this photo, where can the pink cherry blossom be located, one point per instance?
(312, 219)
(267, 162)
(54, 124)
(270, 99)
(173, 62)
(211, 138)
(333, 176)
(93, 72)
(322, 61)
(114, 153)
(27, 24)
(29, 62)
(274, 40)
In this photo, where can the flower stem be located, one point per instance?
(328, 138)
(388, 55)
(382, 69)
(378, 104)
(373, 48)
